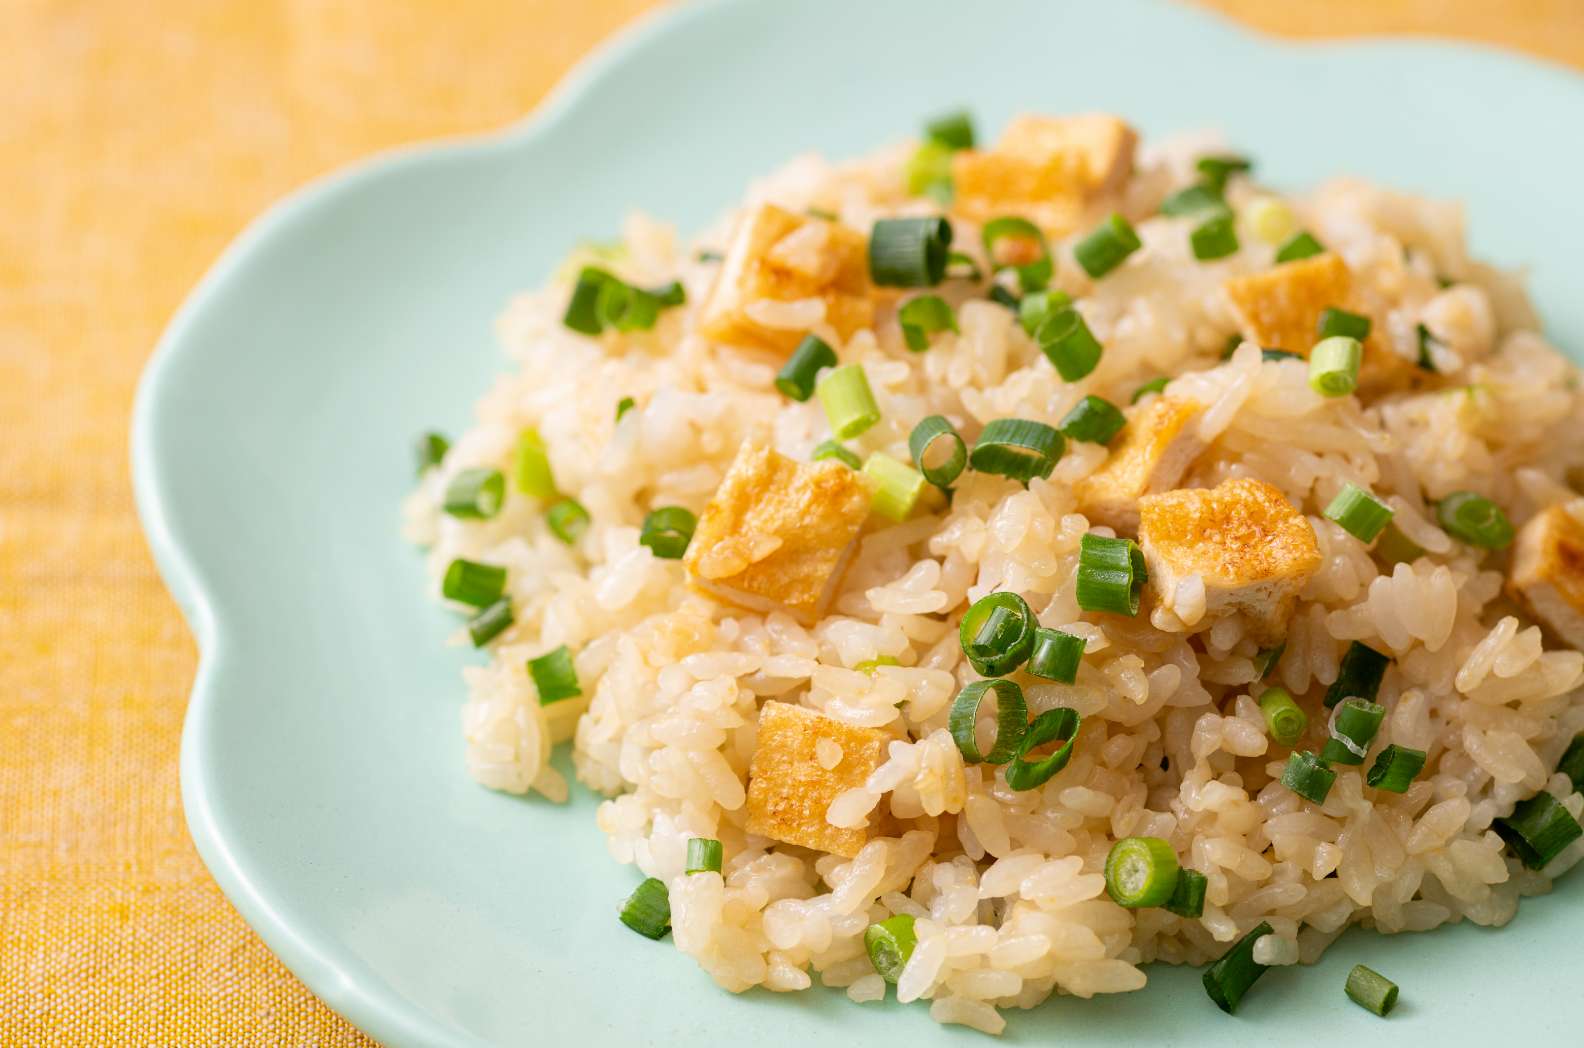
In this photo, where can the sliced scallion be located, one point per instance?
(889, 944)
(1427, 341)
(1359, 676)
(1056, 655)
(997, 633)
(1285, 721)
(953, 130)
(1572, 762)
(624, 405)
(1196, 199)
(1032, 275)
(1360, 514)
(922, 317)
(1266, 659)
(1215, 237)
(469, 582)
(582, 312)
(938, 451)
(1189, 896)
(1011, 720)
(1228, 979)
(1111, 574)
(909, 252)
(554, 676)
(490, 622)
(796, 378)
(475, 494)
(1334, 365)
(1093, 420)
(1538, 830)
(895, 487)
(531, 465)
(667, 531)
(1107, 247)
(1335, 322)
(1067, 342)
(703, 855)
(1300, 245)
(1393, 547)
(1141, 871)
(830, 449)
(1394, 768)
(1036, 307)
(1371, 990)
(567, 520)
(962, 267)
(1474, 519)
(1274, 356)
(1353, 727)
(1154, 385)
(1059, 723)
(1218, 167)
(928, 172)
(870, 665)
(431, 449)
(647, 910)
(849, 405)
(1018, 448)
(1308, 776)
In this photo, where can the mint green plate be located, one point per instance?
(321, 761)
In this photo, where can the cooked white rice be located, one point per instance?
(1006, 886)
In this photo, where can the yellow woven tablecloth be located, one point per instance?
(136, 138)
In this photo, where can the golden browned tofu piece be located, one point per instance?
(789, 791)
(1547, 573)
(777, 534)
(1249, 544)
(1280, 309)
(1155, 449)
(1045, 169)
(777, 256)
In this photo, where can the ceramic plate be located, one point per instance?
(321, 761)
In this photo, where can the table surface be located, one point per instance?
(135, 141)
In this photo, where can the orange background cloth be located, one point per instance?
(136, 139)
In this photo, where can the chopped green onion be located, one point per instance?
(1189, 896)
(1360, 514)
(1194, 200)
(1394, 768)
(829, 449)
(469, 582)
(1059, 723)
(1036, 307)
(1067, 342)
(432, 447)
(647, 910)
(1426, 361)
(1017, 448)
(1141, 871)
(1154, 385)
(1011, 720)
(963, 267)
(1359, 676)
(1056, 655)
(1308, 776)
(929, 173)
(624, 405)
(870, 665)
(554, 676)
(707, 255)
(531, 466)
(1474, 519)
(1538, 830)
(475, 494)
(1300, 245)
(1231, 345)
(674, 294)
(952, 130)
(1266, 659)
(796, 378)
(1271, 219)
(1271, 356)
(488, 623)
(1216, 169)
(1371, 990)
(1093, 420)
(922, 317)
(909, 252)
(997, 633)
(667, 531)
(1335, 322)
(938, 451)
(1003, 296)
(1283, 718)
(850, 407)
(1334, 366)
(889, 944)
(896, 487)
(1396, 548)
(582, 312)
(626, 308)
(1353, 728)
(1111, 574)
(1107, 247)
(1032, 276)
(1572, 762)
(703, 855)
(1227, 980)
(567, 520)
(1214, 238)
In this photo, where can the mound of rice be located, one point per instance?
(1006, 886)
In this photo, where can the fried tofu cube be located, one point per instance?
(1243, 538)
(789, 790)
(1280, 309)
(1155, 449)
(1046, 169)
(1547, 574)
(775, 257)
(777, 534)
